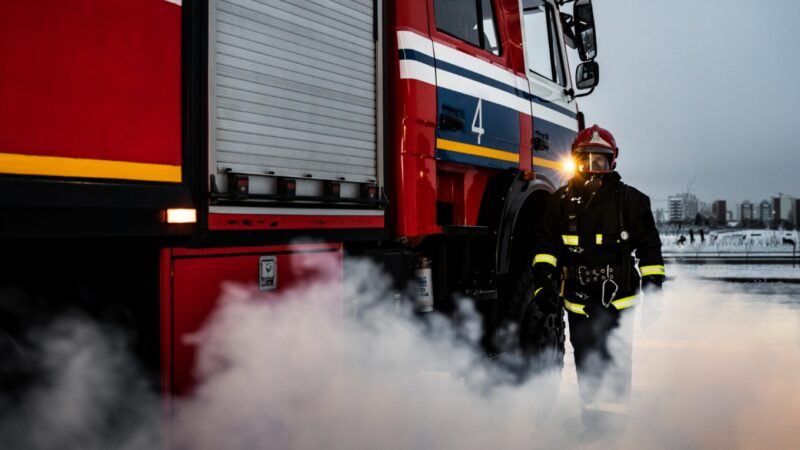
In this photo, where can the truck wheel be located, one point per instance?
(542, 335)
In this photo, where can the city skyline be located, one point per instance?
(777, 210)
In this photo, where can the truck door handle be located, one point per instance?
(541, 141)
(450, 123)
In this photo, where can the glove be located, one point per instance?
(651, 304)
(545, 295)
(546, 298)
(652, 283)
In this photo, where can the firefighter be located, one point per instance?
(584, 264)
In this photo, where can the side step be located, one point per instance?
(465, 230)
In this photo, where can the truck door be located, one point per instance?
(554, 118)
(478, 97)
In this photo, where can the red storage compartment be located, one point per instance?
(192, 282)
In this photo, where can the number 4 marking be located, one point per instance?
(477, 121)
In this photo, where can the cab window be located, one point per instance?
(472, 21)
(542, 46)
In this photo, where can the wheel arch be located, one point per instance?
(523, 205)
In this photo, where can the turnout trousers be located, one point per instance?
(602, 342)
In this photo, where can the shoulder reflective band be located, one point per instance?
(545, 258)
(535, 293)
(625, 302)
(570, 239)
(575, 307)
(607, 407)
(599, 239)
(652, 270)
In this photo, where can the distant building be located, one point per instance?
(765, 212)
(675, 206)
(783, 209)
(746, 213)
(682, 207)
(719, 212)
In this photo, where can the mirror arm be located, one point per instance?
(564, 2)
(572, 95)
(583, 94)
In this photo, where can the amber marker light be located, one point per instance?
(182, 215)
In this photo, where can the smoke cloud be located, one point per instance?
(84, 392)
(350, 366)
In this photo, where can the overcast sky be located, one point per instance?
(701, 90)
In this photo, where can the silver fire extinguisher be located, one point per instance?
(423, 277)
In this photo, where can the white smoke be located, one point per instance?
(348, 365)
(293, 374)
(87, 393)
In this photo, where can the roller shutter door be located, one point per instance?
(293, 88)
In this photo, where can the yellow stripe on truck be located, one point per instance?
(59, 166)
(476, 150)
(541, 162)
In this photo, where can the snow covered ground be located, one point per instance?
(731, 241)
(733, 246)
(744, 271)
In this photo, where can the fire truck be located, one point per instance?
(152, 149)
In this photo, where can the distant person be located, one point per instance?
(702, 235)
(691, 235)
(681, 240)
(584, 264)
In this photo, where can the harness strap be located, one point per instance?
(622, 206)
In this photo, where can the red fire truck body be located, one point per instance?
(152, 149)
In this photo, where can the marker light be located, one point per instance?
(182, 215)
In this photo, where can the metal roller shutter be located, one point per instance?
(293, 89)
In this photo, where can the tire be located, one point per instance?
(542, 335)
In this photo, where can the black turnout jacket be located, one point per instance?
(589, 238)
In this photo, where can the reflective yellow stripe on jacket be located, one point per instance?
(652, 270)
(574, 307)
(545, 258)
(570, 239)
(622, 303)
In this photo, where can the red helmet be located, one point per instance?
(595, 150)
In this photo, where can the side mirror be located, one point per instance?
(585, 40)
(587, 75)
